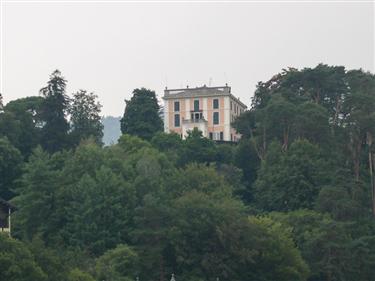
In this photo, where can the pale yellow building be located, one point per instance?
(210, 109)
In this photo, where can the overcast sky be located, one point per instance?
(112, 48)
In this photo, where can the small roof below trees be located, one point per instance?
(4, 203)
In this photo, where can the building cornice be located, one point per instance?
(204, 91)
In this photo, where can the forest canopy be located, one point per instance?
(293, 200)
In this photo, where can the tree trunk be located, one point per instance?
(337, 110)
(355, 146)
(253, 141)
(355, 149)
(264, 141)
(371, 169)
(317, 97)
(286, 138)
(357, 162)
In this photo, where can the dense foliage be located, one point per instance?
(141, 117)
(292, 201)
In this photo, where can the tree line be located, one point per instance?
(293, 200)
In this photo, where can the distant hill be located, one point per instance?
(111, 130)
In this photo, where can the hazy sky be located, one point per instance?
(112, 48)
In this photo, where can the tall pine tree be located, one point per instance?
(54, 108)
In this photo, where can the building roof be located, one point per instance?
(200, 92)
(7, 204)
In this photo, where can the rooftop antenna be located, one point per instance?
(209, 82)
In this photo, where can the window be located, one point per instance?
(211, 136)
(176, 106)
(216, 103)
(196, 105)
(231, 105)
(217, 136)
(177, 120)
(216, 118)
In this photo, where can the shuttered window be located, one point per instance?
(176, 106)
(196, 105)
(177, 120)
(216, 118)
(216, 104)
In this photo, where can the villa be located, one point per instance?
(209, 109)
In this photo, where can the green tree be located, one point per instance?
(323, 84)
(278, 258)
(362, 258)
(290, 180)
(118, 264)
(334, 250)
(210, 237)
(197, 149)
(49, 260)
(131, 144)
(168, 143)
(337, 200)
(37, 195)
(107, 203)
(245, 158)
(21, 123)
(359, 108)
(54, 110)
(141, 117)
(17, 263)
(151, 225)
(85, 117)
(279, 120)
(312, 123)
(10, 128)
(78, 275)
(10, 168)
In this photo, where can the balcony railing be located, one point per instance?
(186, 121)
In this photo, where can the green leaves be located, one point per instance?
(10, 168)
(290, 180)
(141, 117)
(118, 264)
(53, 111)
(17, 263)
(155, 204)
(85, 117)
